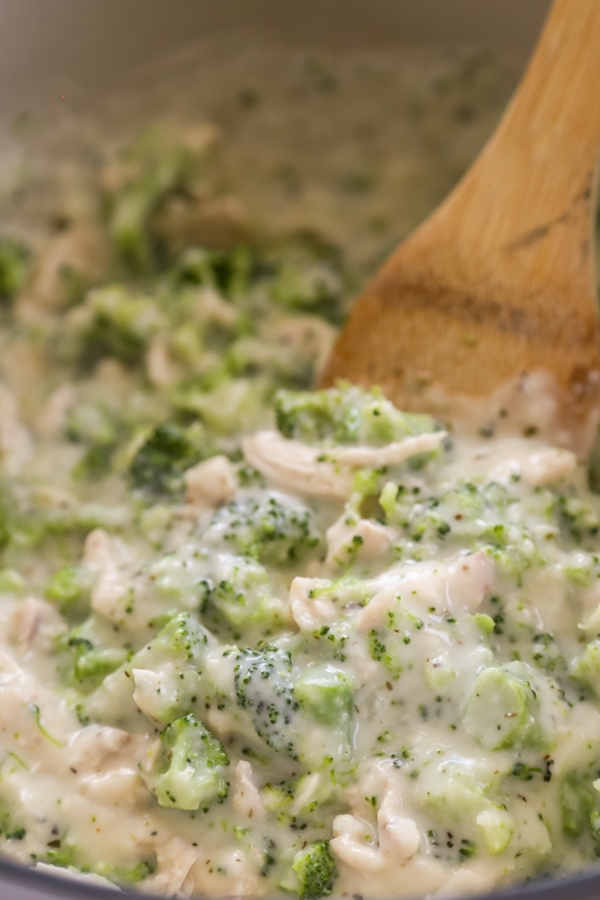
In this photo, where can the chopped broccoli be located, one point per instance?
(267, 529)
(229, 271)
(88, 651)
(14, 263)
(117, 323)
(69, 587)
(162, 166)
(577, 802)
(9, 829)
(158, 465)
(121, 875)
(326, 692)
(503, 708)
(240, 592)
(315, 870)
(346, 415)
(263, 684)
(95, 464)
(189, 772)
(167, 676)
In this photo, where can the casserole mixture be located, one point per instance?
(258, 640)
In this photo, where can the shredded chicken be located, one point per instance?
(460, 583)
(175, 859)
(363, 540)
(310, 470)
(246, 798)
(211, 483)
(36, 624)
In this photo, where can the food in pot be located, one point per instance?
(257, 639)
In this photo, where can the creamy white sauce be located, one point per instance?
(426, 704)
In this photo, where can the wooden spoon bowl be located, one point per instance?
(500, 279)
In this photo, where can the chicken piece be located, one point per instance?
(246, 799)
(211, 308)
(109, 560)
(311, 470)
(162, 371)
(388, 455)
(210, 483)
(35, 624)
(452, 585)
(308, 612)
(351, 844)
(307, 337)
(362, 540)
(295, 466)
(81, 249)
(53, 414)
(398, 835)
(105, 761)
(548, 466)
(175, 860)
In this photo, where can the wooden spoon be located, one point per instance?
(500, 279)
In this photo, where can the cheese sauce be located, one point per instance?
(258, 640)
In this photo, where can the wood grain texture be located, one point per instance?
(501, 278)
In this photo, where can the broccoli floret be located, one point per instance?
(69, 588)
(239, 592)
(10, 830)
(263, 684)
(116, 323)
(267, 529)
(228, 271)
(96, 427)
(190, 771)
(577, 804)
(315, 870)
(122, 875)
(162, 166)
(158, 466)
(312, 286)
(167, 676)
(95, 464)
(5, 529)
(88, 652)
(14, 263)
(346, 415)
(326, 692)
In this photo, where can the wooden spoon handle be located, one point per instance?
(500, 280)
(536, 175)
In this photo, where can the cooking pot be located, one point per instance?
(50, 47)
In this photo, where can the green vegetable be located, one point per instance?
(158, 465)
(171, 666)
(69, 588)
(346, 415)
(267, 529)
(326, 693)
(121, 875)
(116, 322)
(577, 803)
(315, 870)
(263, 685)
(586, 667)
(190, 771)
(14, 266)
(241, 595)
(503, 708)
